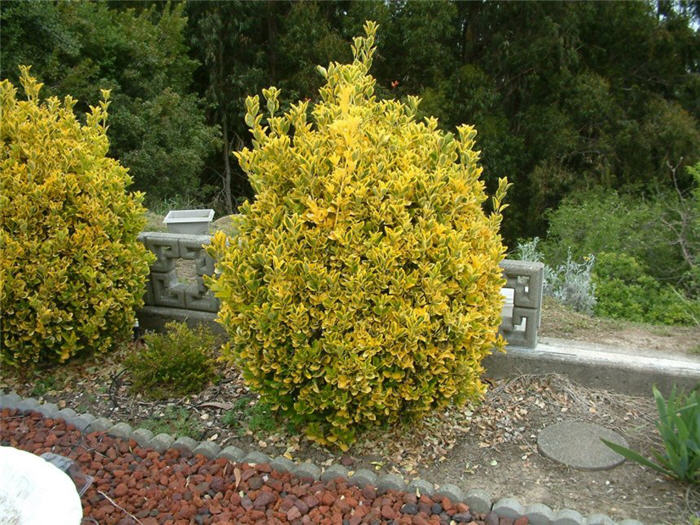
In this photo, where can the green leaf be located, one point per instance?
(634, 456)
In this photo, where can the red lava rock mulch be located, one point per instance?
(137, 485)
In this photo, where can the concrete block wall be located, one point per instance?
(168, 299)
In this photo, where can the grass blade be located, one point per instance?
(634, 456)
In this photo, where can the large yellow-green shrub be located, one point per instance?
(363, 284)
(72, 268)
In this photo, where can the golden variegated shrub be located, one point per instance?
(72, 268)
(363, 285)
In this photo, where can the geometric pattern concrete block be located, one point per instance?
(307, 470)
(167, 291)
(363, 477)
(120, 430)
(192, 248)
(478, 500)
(451, 492)
(161, 442)
(335, 471)
(142, 436)
(208, 449)
(198, 298)
(422, 486)
(568, 517)
(166, 248)
(282, 464)
(164, 289)
(233, 454)
(526, 338)
(509, 508)
(526, 279)
(539, 514)
(185, 444)
(390, 482)
(599, 519)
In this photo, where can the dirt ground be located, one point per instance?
(490, 446)
(560, 321)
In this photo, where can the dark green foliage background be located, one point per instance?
(566, 96)
(625, 289)
(157, 124)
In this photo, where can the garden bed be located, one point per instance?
(492, 446)
(137, 485)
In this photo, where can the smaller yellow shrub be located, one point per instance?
(71, 268)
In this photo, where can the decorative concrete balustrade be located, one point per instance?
(526, 280)
(167, 297)
(164, 289)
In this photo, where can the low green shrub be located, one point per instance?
(606, 221)
(679, 426)
(625, 290)
(176, 363)
(43, 385)
(570, 283)
(235, 416)
(255, 415)
(661, 231)
(176, 421)
(614, 285)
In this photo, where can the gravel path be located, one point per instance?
(137, 485)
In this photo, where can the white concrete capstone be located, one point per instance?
(193, 222)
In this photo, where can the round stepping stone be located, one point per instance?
(578, 445)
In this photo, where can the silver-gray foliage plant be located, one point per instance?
(569, 283)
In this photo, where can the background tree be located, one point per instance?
(563, 103)
(566, 97)
(228, 39)
(157, 125)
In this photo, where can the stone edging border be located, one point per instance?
(477, 499)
